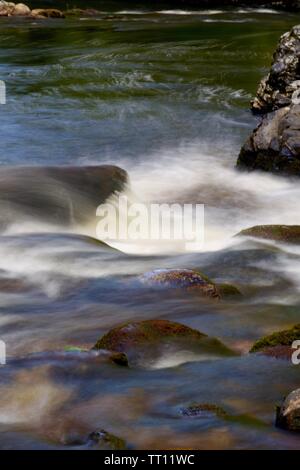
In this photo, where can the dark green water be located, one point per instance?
(166, 97)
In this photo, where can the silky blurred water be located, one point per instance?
(164, 95)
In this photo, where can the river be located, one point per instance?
(164, 95)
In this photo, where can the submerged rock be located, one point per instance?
(280, 338)
(280, 233)
(203, 410)
(282, 84)
(150, 342)
(228, 291)
(187, 279)
(78, 12)
(288, 414)
(106, 441)
(63, 195)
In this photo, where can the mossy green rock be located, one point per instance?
(228, 291)
(106, 441)
(147, 341)
(282, 338)
(280, 233)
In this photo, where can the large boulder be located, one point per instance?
(63, 195)
(274, 145)
(281, 85)
(47, 13)
(150, 342)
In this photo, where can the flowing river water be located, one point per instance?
(164, 95)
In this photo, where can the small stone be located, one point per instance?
(288, 414)
(203, 410)
(21, 10)
(181, 279)
(106, 441)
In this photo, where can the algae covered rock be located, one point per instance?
(280, 338)
(228, 291)
(150, 342)
(105, 441)
(288, 414)
(280, 233)
(181, 279)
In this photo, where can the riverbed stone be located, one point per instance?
(203, 410)
(145, 342)
(279, 338)
(274, 146)
(47, 13)
(106, 441)
(6, 8)
(181, 279)
(281, 233)
(288, 414)
(227, 291)
(21, 10)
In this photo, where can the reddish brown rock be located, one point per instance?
(181, 279)
(146, 342)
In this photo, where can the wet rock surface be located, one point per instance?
(186, 279)
(288, 414)
(281, 86)
(274, 145)
(150, 341)
(203, 410)
(279, 338)
(103, 440)
(20, 9)
(280, 233)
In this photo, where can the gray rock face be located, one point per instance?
(282, 85)
(288, 415)
(274, 145)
